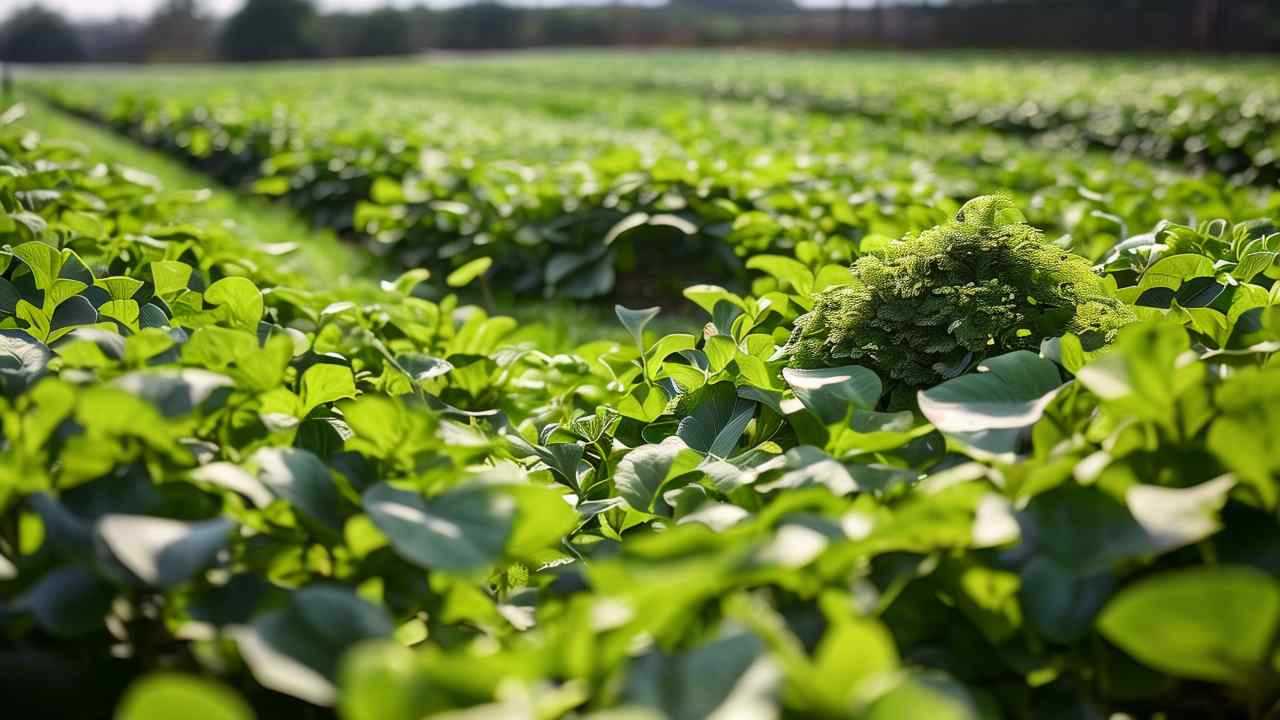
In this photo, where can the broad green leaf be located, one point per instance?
(235, 478)
(324, 382)
(161, 552)
(1171, 271)
(717, 421)
(120, 287)
(44, 261)
(62, 289)
(707, 296)
(730, 677)
(853, 653)
(296, 650)
(463, 530)
(68, 602)
(644, 471)
(991, 409)
(787, 270)
(171, 696)
(832, 393)
(9, 297)
(1209, 623)
(23, 361)
(1060, 603)
(174, 393)
(543, 518)
(303, 480)
(170, 277)
(239, 301)
(1009, 391)
(1090, 532)
(925, 694)
(71, 313)
(37, 320)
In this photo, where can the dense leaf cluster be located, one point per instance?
(938, 303)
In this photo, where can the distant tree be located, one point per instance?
(482, 26)
(37, 35)
(386, 31)
(739, 7)
(269, 30)
(177, 32)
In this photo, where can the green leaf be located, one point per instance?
(161, 552)
(1060, 603)
(1171, 271)
(170, 277)
(36, 319)
(62, 289)
(119, 287)
(718, 420)
(461, 530)
(304, 481)
(72, 313)
(324, 382)
(625, 225)
(708, 296)
(472, 270)
(9, 297)
(125, 312)
(23, 361)
(44, 261)
(787, 270)
(240, 302)
(408, 280)
(174, 392)
(543, 518)
(296, 650)
(635, 320)
(68, 602)
(729, 677)
(1253, 264)
(644, 471)
(171, 696)
(925, 694)
(1210, 623)
(989, 410)
(831, 393)
(236, 479)
(1090, 532)
(423, 367)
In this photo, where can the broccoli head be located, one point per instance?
(937, 303)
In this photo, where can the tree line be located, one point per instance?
(263, 30)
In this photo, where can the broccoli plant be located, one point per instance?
(936, 304)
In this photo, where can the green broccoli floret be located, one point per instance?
(936, 304)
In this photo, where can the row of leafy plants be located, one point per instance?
(969, 478)
(1202, 114)
(587, 193)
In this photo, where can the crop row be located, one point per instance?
(234, 489)
(1208, 115)
(568, 192)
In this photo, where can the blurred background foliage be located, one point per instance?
(187, 31)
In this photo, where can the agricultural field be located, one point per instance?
(642, 386)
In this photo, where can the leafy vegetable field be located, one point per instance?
(944, 419)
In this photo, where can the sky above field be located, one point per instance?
(107, 9)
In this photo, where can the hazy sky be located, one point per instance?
(104, 9)
(99, 9)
